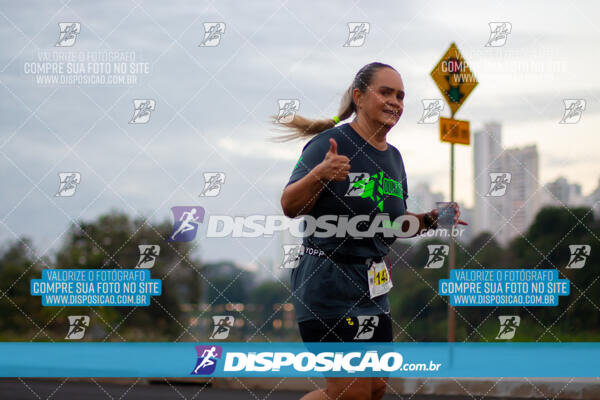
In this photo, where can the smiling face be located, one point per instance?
(383, 102)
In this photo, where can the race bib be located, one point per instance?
(379, 279)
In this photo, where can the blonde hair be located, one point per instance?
(302, 127)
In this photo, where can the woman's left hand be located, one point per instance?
(457, 215)
(435, 214)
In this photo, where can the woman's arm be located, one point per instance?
(299, 197)
(434, 214)
(422, 227)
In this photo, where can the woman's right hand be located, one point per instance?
(334, 167)
(300, 197)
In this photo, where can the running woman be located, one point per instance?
(340, 284)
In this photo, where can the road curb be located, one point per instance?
(542, 388)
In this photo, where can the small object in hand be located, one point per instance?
(446, 211)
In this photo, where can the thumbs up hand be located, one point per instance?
(334, 167)
(332, 146)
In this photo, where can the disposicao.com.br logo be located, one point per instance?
(187, 221)
(294, 363)
(351, 362)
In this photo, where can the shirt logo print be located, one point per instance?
(375, 187)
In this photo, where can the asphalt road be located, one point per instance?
(28, 388)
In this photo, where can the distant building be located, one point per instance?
(507, 212)
(562, 193)
(421, 199)
(487, 149)
(225, 282)
(466, 214)
(593, 200)
(520, 203)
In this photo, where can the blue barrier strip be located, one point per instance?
(223, 359)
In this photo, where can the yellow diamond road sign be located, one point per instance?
(454, 78)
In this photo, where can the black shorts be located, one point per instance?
(376, 328)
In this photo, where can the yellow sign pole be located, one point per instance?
(455, 80)
(452, 260)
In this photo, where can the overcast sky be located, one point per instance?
(213, 103)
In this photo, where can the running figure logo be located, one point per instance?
(508, 326)
(573, 110)
(358, 181)
(68, 183)
(287, 110)
(357, 34)
(186, 220)
(499, 32)
(499, 182)
(579, 255)
(366, 326)
(77, 325)
(212, 183)
(68, 33)
(148, 254)
(141, 110)
(437, 255)
(207, 359)
(222, 325)
(291, 255)
(431, 111)
(212, 34)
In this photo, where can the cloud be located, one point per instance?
(293, 51)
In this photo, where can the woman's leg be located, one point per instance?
(378, 386)
(384, 333)
(340, 330)
(319, 394)
(343, 389)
